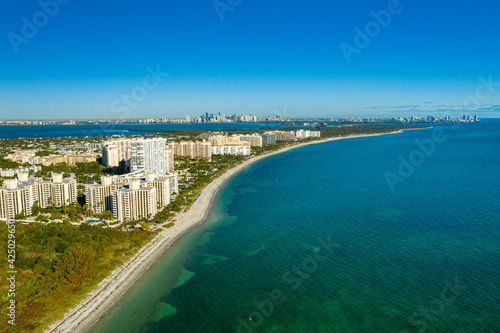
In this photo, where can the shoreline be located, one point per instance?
(110, 290)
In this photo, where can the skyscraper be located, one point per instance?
(150, 155)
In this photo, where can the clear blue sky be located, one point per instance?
(264, 57)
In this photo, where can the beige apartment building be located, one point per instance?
(192, 149)
(254, 139)
(134, 203)
(19, 195)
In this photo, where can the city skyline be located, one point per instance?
(363, 59)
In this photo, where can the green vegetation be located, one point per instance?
(8, 164)
(346, 130)
(57, 265)
(43, 153)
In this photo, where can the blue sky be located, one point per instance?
(263, 58)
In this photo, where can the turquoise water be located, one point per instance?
(316, 240)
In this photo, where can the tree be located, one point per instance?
(35, 209)
(57, 216)
(42, 218)
(77, 264)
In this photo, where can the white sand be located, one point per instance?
(82, 317)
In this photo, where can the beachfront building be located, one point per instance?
(192, 149)
(303, 134)
(255, 140)
(150, 155)
(99, 196)
(17, 196)
(134, 202)
(285, 136)
(162, 187)
(232, 148)
(268, 138)
(173, 179)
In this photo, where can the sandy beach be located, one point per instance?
(88, 312)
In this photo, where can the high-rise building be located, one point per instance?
(14, 199)
(135, 202)
(63, 191)
(149, 155)
(254, 139)
(192, 149)
(218, 140)
(162, 187)
(99, 197)
(268, 138)
(285, 136)
(115, 151)
(19, 195)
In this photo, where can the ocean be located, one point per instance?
(394, 233)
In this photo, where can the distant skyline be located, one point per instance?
(80, 60)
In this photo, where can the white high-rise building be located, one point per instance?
(302, 134)
(150, 155)
(162, 187)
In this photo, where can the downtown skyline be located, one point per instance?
(406, 59)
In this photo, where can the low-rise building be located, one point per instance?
(21, 169)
